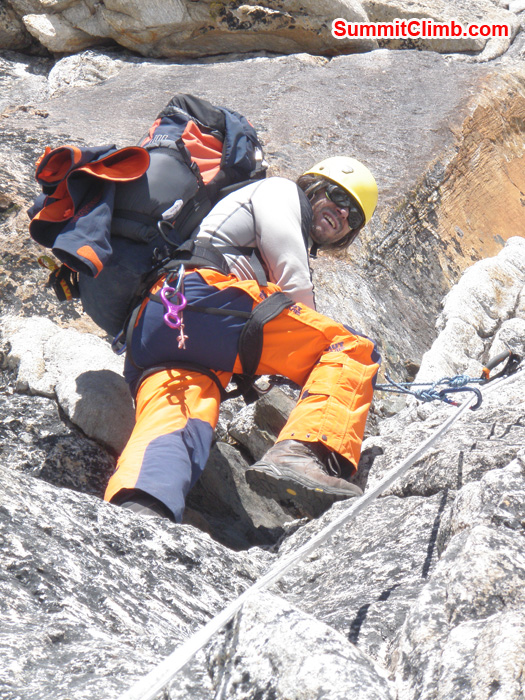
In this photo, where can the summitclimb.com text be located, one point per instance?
(416, 29)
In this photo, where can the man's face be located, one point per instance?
(330, 222)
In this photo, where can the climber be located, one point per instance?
(252, 312)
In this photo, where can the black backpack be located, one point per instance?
(114, 224)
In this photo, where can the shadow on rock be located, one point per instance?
(237, 516)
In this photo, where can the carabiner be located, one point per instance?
(458, 390)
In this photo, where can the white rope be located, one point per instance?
(157, 679)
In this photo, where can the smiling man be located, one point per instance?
(343, 195)
(249, 309)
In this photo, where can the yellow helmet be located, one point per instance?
(352, 176)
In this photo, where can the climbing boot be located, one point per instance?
(142, 503)
(303, 476)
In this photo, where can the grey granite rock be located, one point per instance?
(35, 440)
(364, 580)
(93, 596)
(79, 369)
(235, 514)
(13, 34)
(485, 298)
(497, 500)
(257, 426)
(274, 650)
(483, 305)
(23, 79)
(197, 28)
(487, 439)
(476, 594)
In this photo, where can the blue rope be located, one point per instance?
(434, 391)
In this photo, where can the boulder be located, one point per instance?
(192, 28)
(257, 426)
(57, 34)
(13, 34)
(79, 370)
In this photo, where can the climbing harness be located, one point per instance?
(432, 391)
(150, 685)
(250, 341)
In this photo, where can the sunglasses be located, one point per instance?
(342, 199)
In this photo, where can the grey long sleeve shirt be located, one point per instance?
(269, 215)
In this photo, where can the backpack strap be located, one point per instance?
(255, 260)
(307, 216)
(196, 254)
(193, 254)
(251, 340)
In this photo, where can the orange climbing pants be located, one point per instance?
(177, 410)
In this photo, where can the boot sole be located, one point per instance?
(289, 489)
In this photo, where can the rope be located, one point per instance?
(457, 384)
(460, 380)
(431, 390)
(157, 679)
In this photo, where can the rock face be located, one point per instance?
(422, 595)
(201, 27)
(301, 657)
(476, 312)
(81, 616)
(465, 629)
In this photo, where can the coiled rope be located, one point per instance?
(156, 680)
